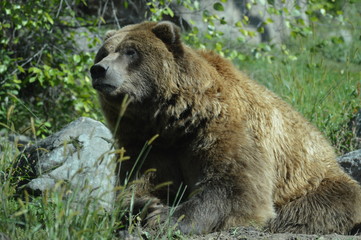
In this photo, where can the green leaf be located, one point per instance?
(21, 69)
(241, 57)
(76, 58)
(218, 6)
(246, 18)
(269, 20)
(170, 12)
(238, 24)
(34, 70)
(196, 4)
(50, 20)
(5, 25)
(260, 29)
(219, 46)
(3, 68)
(84, 2)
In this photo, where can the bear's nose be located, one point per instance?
(98, 71)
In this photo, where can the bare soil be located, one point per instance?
(242, 233)
(246, 233)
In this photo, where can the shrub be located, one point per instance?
(43, 71)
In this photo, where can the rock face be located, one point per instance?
(274, 25)
(351, 163)
(79, 155)
(3, 236)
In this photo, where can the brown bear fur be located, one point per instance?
(241, 155)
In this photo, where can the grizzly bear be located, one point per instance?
(229, 152)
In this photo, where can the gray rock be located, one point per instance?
(3, 236)
(80, 156)
(351, 163)
(258, 12)
(275, 31)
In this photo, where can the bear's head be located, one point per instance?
(138, 60)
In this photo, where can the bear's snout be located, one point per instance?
(98, 71)
(101, 81)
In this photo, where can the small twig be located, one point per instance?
(59, 9)
(102, 13)
(59, 49)
(110, 22)
(115, 15)
(31, 58)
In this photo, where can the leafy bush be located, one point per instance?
(43, 72)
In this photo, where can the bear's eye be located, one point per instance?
(130, 52)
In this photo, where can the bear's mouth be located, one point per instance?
(103, 87)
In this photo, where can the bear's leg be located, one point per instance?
(202, 213)
(334, 207)
(217, 205)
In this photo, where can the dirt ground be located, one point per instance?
(242, 233)
(251, 233)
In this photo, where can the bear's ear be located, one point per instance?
(109, 34)
(169, 33)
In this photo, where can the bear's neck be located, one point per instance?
(175, 121)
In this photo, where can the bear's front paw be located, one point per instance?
(144, 206)
(157, 215)
(160, 215)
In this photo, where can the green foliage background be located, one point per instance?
(42, 74)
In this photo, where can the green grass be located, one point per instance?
(323, 83)
(326, 94)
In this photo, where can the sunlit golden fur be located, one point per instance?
(245, 156)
